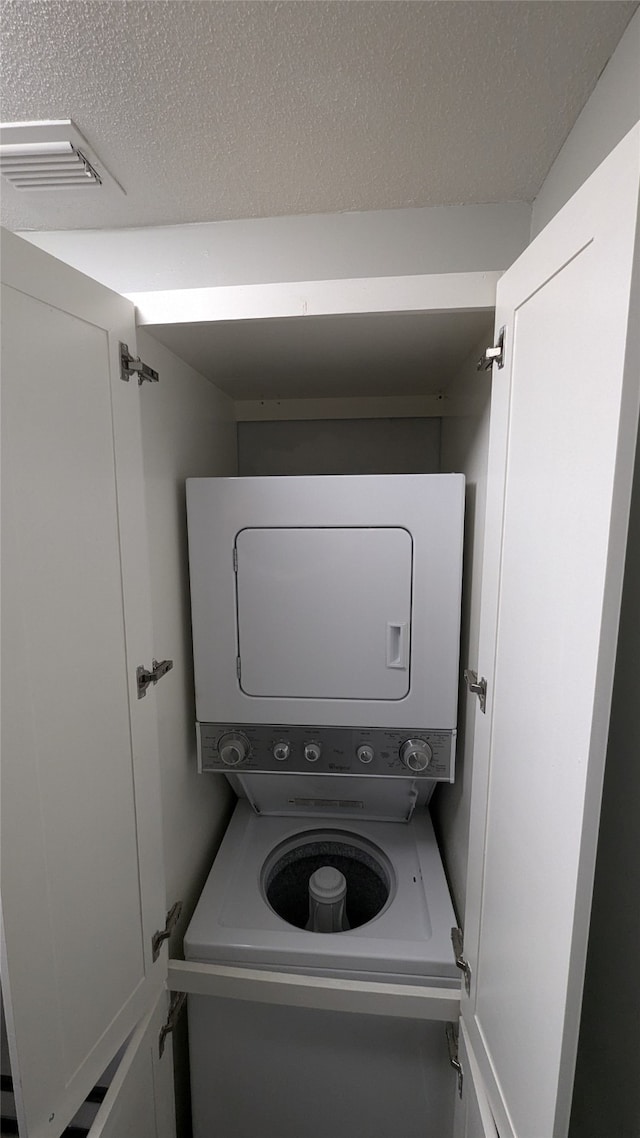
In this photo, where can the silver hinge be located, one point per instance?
(452, 1047)
(461, 962)
(235, 559)
(238, 667)
(477, 686)
(133, 365)
(158, 938)
(144, 677)
(175, 1009)
(495, 354)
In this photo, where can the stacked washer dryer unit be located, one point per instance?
(326, 624)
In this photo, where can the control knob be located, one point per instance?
(416, 754)
(281, 751)
(233, 749)
(365, 753)
(312, 752)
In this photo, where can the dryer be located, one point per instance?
(326, 600)
(326, 621)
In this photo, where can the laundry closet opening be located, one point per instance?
(358, 393)
(351, 391)
(395, 391)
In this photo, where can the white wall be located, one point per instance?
(340, 446)
(394, 242)
(610, 112)
(464, 448)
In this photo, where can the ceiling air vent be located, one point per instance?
(50, 156)
(46, 166)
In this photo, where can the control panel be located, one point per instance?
(372, 751)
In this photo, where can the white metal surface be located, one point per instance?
(82, 882)
(329, 1074)
(410, 938)
(324, 613)
(563, 434)
(428, 507)
(347, 796)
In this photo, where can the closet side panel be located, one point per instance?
(188, 428)
(465, 442)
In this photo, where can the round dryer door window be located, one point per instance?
(297, 884)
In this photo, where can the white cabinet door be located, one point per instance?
(139, 1102)
(563, 435)
(324, 612)
(472, 1116)
(82, 880)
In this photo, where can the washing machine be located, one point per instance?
(326, 620)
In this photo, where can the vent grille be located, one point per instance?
(46, 166)
(51, 156)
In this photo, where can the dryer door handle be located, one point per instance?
(397, 645)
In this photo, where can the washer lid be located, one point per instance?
(332, 796)
(324, 612)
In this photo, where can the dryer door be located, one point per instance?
(324, 613)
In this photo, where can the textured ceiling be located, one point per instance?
(209, 110)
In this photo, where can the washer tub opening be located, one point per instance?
(368, 872)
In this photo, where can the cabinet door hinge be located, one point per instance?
(235, 559)
(461, 962)
(238, 667)
(495, 354)
(175, 1009)
(144, 677)
(158, 938)
(133, 365)
(452, 1046)
(477, 686)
